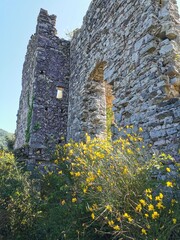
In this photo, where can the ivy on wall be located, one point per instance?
(29, 118)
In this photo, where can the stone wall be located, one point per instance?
(139, 41)
(42, 118)
(124, 57)
(26, 93)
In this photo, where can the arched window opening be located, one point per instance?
(99, 102)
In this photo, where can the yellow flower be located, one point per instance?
(173, 201)
(125, 215)
(168, 169)
(129, 218)
(109, 208)
(138, 208)
(88, 138)
(174, 220)
(155, 215)
(143, 231)
(117, 228)
(149, 196)
(143, 202)
(129, 151)
(159, 197)
(125, 170)
(169, 184)
(56, 161)
(92, 216)
(63, 202)
(85, 190)
(160, 206)
(148, 191)
(99, 188)
(90, 209)
(111, 223)
(99, 172)
(74, 200)
(140, 129)
(91, 177)
(70, 152)
(150, 207)
(77, 174)
(146, 215)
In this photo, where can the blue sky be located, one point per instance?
(17, 23)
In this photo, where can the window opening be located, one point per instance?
(99, 103)
(59, 93)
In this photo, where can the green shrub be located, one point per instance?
(96, 189)
(18, 200)
(126, 196)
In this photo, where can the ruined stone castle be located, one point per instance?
(126, 56)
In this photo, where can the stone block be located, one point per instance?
(160, 142)
(164, 12)
(155, 134)
(149, 48)
(138, 44)
(171, 131)
(166, 49)
(150, 23)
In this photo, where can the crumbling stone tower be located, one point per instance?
(42, 118)
(126, 56)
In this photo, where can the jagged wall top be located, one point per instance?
(46, 23)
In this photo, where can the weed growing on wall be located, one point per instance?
(29, 118)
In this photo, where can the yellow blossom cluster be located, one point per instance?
(105, 171)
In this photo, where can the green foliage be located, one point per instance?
(29, 118)
(10, 143)
(3, 136)
(126, 197)
(94, 190)
(70, 34)
(18, 200)
(37, 126)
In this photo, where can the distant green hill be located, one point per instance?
(3, 135)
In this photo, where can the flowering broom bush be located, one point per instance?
(97, 189)
(125, 196)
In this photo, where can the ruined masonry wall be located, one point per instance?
(139, 40)
(42, 119)
(26, 93)
(126, 47)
